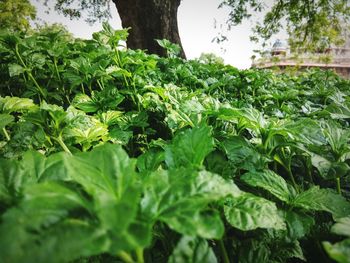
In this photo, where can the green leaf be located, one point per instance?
(85, 103)
(206, 224)
(42, 228)
(10, 181)
(298, 224)
(54, 169)
(150, 161)
(109, 176)
(5, 119)
(119, 136)
(248, 117)
(96, 132)
(323, 200)
(249, 212)
(15, 70)
(242, 155)
(33, 163)
(189, 148)
(291, 250)
(192, 250)
(110, 117)
(321, 163)
(56, 112)
(180, 198)
(306, 131)
(15, 175)
(342, 226)
(337, 138)
(271, 182)
(252, 249)
(117, 71)
(173, 50)
(340, 251)
(15, 104)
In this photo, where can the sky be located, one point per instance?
(196, 20)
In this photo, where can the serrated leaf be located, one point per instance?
(322, 164)
(206, 224)
(15, 175)
(179, 198)
(192, 250)
(323, 200)
(108, 175)
(271, 182)
(306, 131)
(340, 251)
(291, 251)
(249, 212)
(88, 135)
(342, 226)
(117, 71)
(10, 181)
(119, 136)
(85, 103)
(15, 104)
(298, 224)
(110, 117)
(15, 70)
(189, 148)
(252, 249)
(5, 119)
(41, 227)
(242, 155)
(150, 160)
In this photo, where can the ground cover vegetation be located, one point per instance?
(109, 154)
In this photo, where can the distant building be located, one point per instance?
(334, 58)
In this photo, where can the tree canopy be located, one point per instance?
(16, 14)
(311, 24)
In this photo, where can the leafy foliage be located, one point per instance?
(110, 154)
(313, 25)
(16, 15)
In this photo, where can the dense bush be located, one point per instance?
(110, 154)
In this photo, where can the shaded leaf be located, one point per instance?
(323, 200)
(271, 182)
(242, 155)
(192, 250)
(340, 251)
(298, 224)
(180, 198)
(15, 70)
(189, 148)
(248, 212)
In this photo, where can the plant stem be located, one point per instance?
(225, 258)
(338, 185)
(63, 145)
(41, 91)
(56, 69)
(139, 255)
(99, 84)
(6, 134)
(292, 178)
(82, 88)
(125, 257)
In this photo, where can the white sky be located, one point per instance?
(196, 20)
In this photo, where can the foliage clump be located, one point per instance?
(110, 154)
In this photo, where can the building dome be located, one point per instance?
(279, 48)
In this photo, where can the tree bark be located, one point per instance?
(150, 20)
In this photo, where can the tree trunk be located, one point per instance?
(150, 20)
